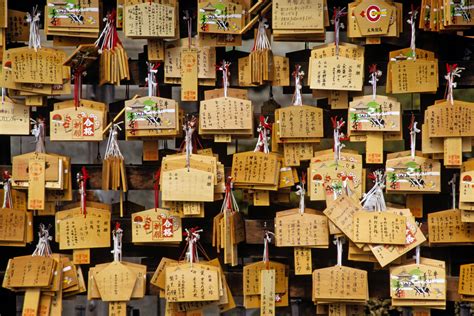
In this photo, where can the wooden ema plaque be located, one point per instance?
(185, 184)
(421, 175)
(380, 115)
(407, 75)
(340, 283)
(326, 178)
(413, 234)
(443, 119)
(414, 282)
(192, 282)
(330, 72)
(379, 228)
(156, 225)
(265, 168)
(300, 121)
(220, 16)
(76, 231)
(15, 118)
(81, 124)
(446, 227)
(252, 280)
(151, 114)
(295, 229)
(225, 114)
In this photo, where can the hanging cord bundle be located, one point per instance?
(374, 78)
(190, 251)
(113, 164)
(7, 190)
(452, 71)
(81, 179)
(38, 132)
(298, 74)
(338, 136)
(412, 21)
(339, 242)
(267, 239)
(264, 131)
(413, 131)
(33, 20)
(229, 203)
(301, 192)
(452, 183)
(191, 139)
(224, 67)
(151, 81)
(43, 248)
(261, 56)
(113, 58)
(374, 199)
(338, 25)
(117, 234)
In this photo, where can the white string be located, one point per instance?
(188, 130)
(338, 25)
(151, 79)
(192, 238)
(38, 132)
(4, 92)
(105, 40)
(112, 150)
(452, 182)
(298, 74)
(374, 77)
(374, 199)
(117, 237)
(7, 193)
(33, 19)
(43, 248)
(413, 133)
(261, 40)
(230, 198)
(412, 22)
(454, 72)
(339, 241)
(267, 239)
(417, 255)
(263, 139)
(301, 193)
(225, 76)
(337, 135)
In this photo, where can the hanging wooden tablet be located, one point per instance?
(217, 16)
(328, 62)
(73, 18)
(78, 124)
(156, 225)
(407, 282)
(327, 178)
(340, 284)
(408, 74)
(146, 20)
(117, 282)
(15, 118)
(113, 58)
(446, 227)
(152, 117)
(418, 175)
(189, 77)
(374, 19)
(295, 229)
(226, 116)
